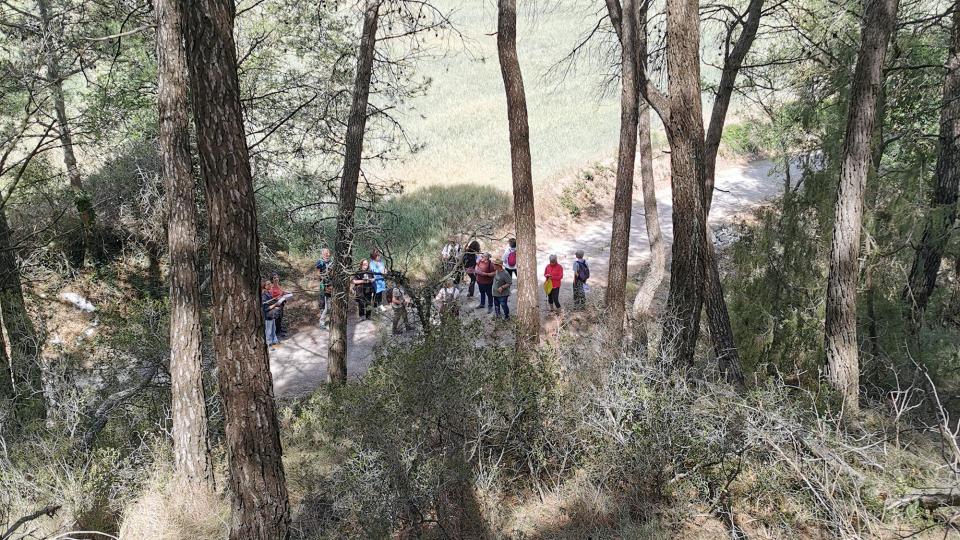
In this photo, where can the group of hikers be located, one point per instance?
(375, 289)
(493, 277)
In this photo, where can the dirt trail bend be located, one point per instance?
(740, 187)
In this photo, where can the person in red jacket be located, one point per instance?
(554, 272)
(484, 273)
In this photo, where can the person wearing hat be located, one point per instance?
(502, 281)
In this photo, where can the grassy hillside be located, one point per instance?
(462, 119)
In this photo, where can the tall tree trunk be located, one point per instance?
(191, 449)
(842, 355)
(626, 161)
(528, 312)
(943, 204)
(643, 303)
(91, 245)
(24, 359)
(353, 155)
(718, 318)
(260, 505)
(687, 160)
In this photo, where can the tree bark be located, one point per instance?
(687, 160)
(643, 303)
(842, 355)
(718, 317)
(26, 375)
(91, 248)
(191, 448)
(528, 311)
(943, 204)
(353, 155)
(615, 299)
(260, 505)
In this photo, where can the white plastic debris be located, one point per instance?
(78, 302)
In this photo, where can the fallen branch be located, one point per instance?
(48, 511)
(929, 499)
(102, 413)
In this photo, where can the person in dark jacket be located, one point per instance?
(363, 289)
(270, 311)
(470, 265)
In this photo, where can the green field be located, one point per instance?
(462, 119)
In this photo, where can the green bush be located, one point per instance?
(749, 139)
(426, 425)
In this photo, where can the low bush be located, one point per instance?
(428, 434)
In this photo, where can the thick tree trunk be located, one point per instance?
(528, 312)
(842, 355)
(943, 204)
(626, 161)
(91, 245)
(191, 449)
(260, 506)
(687, 160)
(718, 318)
(353, 155)
(643, 303)
(26, 381)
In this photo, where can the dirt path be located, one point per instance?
(299, 364)
(739, 188)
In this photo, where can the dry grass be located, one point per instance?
(168, 511)
(462, 120)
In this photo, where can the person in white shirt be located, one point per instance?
(510, 258)
(448, 300)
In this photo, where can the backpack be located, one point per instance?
(512, 259)
(583, 271)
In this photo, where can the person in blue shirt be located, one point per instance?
(379, 271)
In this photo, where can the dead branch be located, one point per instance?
(49, 511)
(928, 499)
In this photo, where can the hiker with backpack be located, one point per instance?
(554, 277)
(581, 273)
(447, 300)
(510, 258)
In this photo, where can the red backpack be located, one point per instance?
(512, 259)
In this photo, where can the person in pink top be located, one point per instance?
(554, 272)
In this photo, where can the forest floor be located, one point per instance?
(299, 363)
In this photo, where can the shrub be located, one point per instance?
(424, 428)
